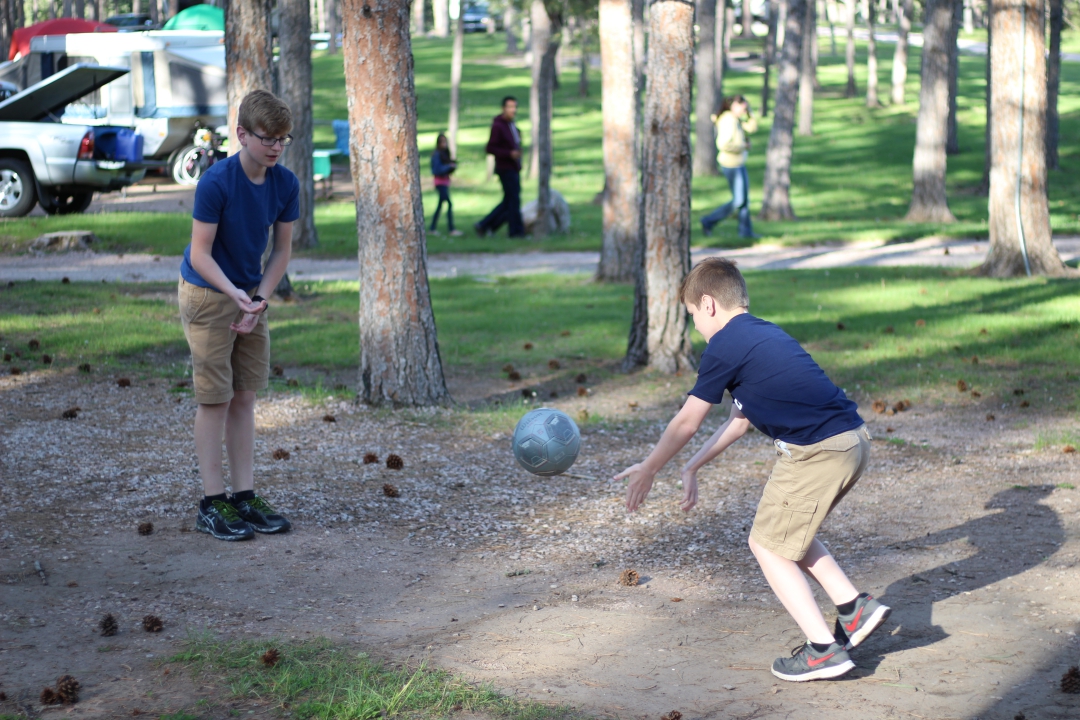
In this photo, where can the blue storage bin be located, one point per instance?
(112, 143)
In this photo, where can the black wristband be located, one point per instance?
(258, 298)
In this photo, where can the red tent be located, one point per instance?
(20, 39)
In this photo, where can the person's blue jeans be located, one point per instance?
(509, 210)
(444, 197)
(739, 181)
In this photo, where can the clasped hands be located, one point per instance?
(252, 310)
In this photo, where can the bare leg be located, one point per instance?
(820, 565)
(790, 585)
(240, 440)
(209, 428)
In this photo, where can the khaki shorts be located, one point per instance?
(806, 484)
(222, 361)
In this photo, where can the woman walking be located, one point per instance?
(732, 125)
(441, 167)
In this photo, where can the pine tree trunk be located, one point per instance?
(418, 7)
(851, 90)
(544, 220)
(871, 57)
(719, 59)
(455, 83)
(509, 18)
(333, 25)
(248, 55)
(441, 11)
(399, 351)
(583, 64)
(637, 9)
(1053, 83)
(811, 33)
(747, 19)
(806, 74)
(984, 186)
(830, 18)
(776, 196)
(618, 103)
(659, 333)
(541, 33)
(952, 144)
(294, 82)
(705, 103)
(928, 201)
(900, 54)
(769, 54)
(1019, 220)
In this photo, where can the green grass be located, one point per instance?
(1045, 440)
(850, 181)
(318, 680)
(908, 332)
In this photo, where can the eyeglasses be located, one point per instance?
(272, 141)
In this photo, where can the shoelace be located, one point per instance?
(261, 505)
(227, 511)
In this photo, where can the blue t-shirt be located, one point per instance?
(774, 382)
(244, 213)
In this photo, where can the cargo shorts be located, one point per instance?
(223, 361)
(806, 483)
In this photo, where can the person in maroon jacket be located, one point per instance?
(505, 145)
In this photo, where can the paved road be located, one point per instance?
(95, 267)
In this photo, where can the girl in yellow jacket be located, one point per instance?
(732, 125)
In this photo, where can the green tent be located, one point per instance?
(198, 17)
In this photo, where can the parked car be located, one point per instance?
(475, 17)
(60, 165)
(132, 22)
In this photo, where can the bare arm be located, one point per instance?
(679, 431)
(202, 242)
(733, 429)
(276, 265)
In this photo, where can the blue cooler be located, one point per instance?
(123, 144)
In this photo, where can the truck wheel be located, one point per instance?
(189, 164)
(66, 204)
(17, 193)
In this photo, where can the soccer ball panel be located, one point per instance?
(546, 442)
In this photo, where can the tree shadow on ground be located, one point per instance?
(1008, 543)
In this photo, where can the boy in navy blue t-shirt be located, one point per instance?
(822, 448)
(222, 295)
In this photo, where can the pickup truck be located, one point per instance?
(54, 164)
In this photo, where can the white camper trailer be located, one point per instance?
(174, 95)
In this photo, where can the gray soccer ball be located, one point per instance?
(546, 442)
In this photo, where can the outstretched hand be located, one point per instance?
(246, 324)
(638, 488)
(690, 491)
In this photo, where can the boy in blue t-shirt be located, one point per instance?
(822, 448)
(222, 293)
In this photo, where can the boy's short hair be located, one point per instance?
(718, 278)
(262, 109)
(508, 98)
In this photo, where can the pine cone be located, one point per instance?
(329, 418)
(879, 406)
(47, 359)
(278, 371)
(565, 333)
(1068, 449)
(553, 364)
(394, 462)
(527, 346)
(123, 382)
(1070, 681)
(271, 657)
(1020, 716)
(961, 386)
(582, 391)
(108, 626)
(146, 528)
(71, 413)
(282, 454)
(841, 326)
(85, 367)
(48, 697)
(580, 378)
(370, 458)
(152, 623)
(7, 357)
(508, 368)
(390, 491)
(920, 323)
(673, 715)
(67, 690)
(901, 406)
(513, 376)
(34, 344)
(989, 417)
(16, 371)
(629, 578)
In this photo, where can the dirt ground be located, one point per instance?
(960, 528)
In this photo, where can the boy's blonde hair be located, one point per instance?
(262, 109)
(719, 279)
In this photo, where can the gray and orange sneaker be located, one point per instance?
(867, 617)
(806, 663)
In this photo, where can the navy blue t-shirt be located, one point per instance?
(244, 213)
(774, 382)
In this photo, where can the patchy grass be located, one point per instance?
(318, 680)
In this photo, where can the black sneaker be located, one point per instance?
(867, 617)
(223, 522)
(261, 517)
(806, 663)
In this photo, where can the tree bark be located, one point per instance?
(8, 25)
(659, 333)
(399, 351)
(509, 18)
(418, 7)
(811, 34)
(441, 12)
(583, 62)
(851, 90)
(248, 55)
(1019, 211)
(294, 82)
(719, 59)
(871, 57)
(900, 54)
(1053, 83)
(830, 18)
(769, 54)
(705, 103)
(455, 82)
(618, 103)
(928, 201)
(952, 144)
(747, 19)
(806, 74)
(984, 186)
(333, 25)
(545, 96)
(540, 22)
(776, 196)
